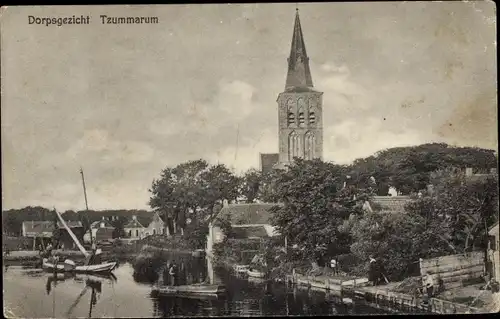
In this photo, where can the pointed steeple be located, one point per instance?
(299, 74)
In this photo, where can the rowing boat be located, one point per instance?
(255, 274)
(195, 289)
(99, 268)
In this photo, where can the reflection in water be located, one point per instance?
(92, 282)
(66, 296)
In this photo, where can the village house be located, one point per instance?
(101, 230)
(134, 229)
(469, 173)
(42, 232)
(156, 226)
(248, 221)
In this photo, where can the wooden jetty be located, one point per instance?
(382, 296)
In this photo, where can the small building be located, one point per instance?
(156, 226)
(493, 253)
(248, 221)
(387, 204)
(101, 230)
(475, 175)
(39, 232)
(42, 233)
(134, 229)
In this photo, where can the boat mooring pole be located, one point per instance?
(86, 204)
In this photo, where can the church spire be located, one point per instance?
(299, 74)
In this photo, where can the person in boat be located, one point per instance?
(95, 256)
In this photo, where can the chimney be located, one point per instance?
(468, 171)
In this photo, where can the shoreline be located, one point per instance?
(380, 296)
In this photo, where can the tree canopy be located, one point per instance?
(191, 190)
(409, 168)
(315, 205)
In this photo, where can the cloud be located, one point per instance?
(352, 139)
(231, 105)
(242, 158)
(98, 143)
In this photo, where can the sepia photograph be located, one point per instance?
(256, 159)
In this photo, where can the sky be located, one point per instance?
(126, 101)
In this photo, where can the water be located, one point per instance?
(33, 293)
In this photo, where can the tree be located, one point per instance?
(191, 190)
(267, 191)
(409, 168)
(12, 225)
(466, 208)
(118, 231)
(250, 185)
(315, 204)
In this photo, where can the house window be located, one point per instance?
(154, 231)
(291, 118)
(137, 233)
(129, 233)
(312, 118)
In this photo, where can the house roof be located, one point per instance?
(157, 218)
(133, 223)
(45, 228)
(240, 214)
(389, 204)
(251, 231)
(97, 224)
(494, 230)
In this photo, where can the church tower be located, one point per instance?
(300, 107)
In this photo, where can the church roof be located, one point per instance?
(267, 161)
(299, 74)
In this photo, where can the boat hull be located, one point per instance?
(255, 274)
(190, 290)
(97, 269)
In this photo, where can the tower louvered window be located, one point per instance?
(291, 118)
(312, 118)
(301, 118)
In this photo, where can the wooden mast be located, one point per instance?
(86, 205)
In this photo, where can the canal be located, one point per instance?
(32, 293)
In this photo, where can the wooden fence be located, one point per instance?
(454, 270)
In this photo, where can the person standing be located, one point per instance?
(373, 275)
(173, 274)
(334, 266)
